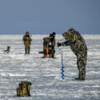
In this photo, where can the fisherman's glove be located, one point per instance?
(25, 39)
(58, 44)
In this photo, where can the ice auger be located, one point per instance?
(62, 65)
(47, 52)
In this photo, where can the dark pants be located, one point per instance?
(53, 51)
(27, 50)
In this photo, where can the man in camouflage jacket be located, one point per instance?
(27, 41)
(79, 48)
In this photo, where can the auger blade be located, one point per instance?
(62, 77)
(62, 69)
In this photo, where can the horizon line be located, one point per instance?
(45, 34)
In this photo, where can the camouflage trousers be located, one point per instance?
(81, 63)
(27, 50)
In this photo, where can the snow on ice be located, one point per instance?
(45, 74)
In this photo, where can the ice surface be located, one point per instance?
(45, 74)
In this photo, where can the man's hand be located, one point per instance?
(58, 44)
(25, 39)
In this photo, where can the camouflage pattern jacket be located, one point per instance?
(77, 44)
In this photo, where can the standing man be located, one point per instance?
(27, 41)
(52, 41)
(79, 48)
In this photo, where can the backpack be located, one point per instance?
(24, 89)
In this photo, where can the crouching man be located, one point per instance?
(27, 42)
(79, 48)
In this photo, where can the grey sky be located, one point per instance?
(47, 16)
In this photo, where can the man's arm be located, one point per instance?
(24, 38)
(66, 43)
(30, 39)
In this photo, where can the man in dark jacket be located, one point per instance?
(52, 41)
(27, 41)
(79, 48)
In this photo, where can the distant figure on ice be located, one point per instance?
(79, 48)
(27, 41)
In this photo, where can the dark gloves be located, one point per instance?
(67, 43)
(25, 39)
(58, 44)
